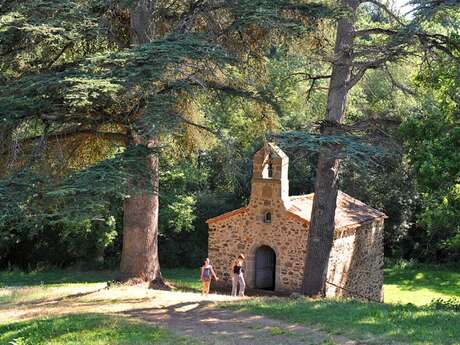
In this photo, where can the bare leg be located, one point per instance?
(206, 285)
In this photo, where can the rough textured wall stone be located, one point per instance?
(246, 232)
(356, 262)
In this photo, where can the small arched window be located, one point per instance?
(270, 170)
(268, 217)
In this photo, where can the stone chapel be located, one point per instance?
(272, 232)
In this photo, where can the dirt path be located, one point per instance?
(184, 313)
(203, 319)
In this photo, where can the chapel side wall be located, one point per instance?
(356, 262)
(223, 243)
(246, 232)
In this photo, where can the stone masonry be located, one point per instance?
(281, 222)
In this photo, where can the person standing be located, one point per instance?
(207, 273)
(238, 276)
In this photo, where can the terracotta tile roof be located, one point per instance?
(226, 215)
(349, 210)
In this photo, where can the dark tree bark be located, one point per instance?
(142, 17)
(139, 258)
(326, 184)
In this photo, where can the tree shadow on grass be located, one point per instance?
(44, 301)
(202, 320)
(86, 328)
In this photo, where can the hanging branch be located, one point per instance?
(399, 85)
(374, 31)
(386, 10)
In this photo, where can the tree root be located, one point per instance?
(160, 284)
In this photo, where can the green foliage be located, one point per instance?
(75, 216)
(433, 138)
(74, 93)
(352, 147)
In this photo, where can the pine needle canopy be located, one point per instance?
(75, 90)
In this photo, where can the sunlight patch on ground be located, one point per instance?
(419, 275)
(24, 303)
(187, 308)
(421, 296)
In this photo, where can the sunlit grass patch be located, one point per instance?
(408, 315)
(419, 284)
(371, 322)
(184, 278)
(277, 331)
(22, 287)
(87, 329)
(27, 294)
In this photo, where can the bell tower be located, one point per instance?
(270, 184)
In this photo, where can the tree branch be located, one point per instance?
(62, 51)
(308, 76)
(74, 132)
(374, 31)
(373, 64)
(385, 9)
(194, 124)
(400, 86)
(230, 90)
(355, 78)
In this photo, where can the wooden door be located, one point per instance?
(265, 268)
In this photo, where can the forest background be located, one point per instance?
(61, 196)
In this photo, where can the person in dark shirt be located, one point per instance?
(237, 274)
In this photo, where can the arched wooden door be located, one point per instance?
(265, 268)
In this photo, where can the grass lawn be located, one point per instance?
(371, 322)
(406, 316)
(87, 329)
(419, 284)
(21, 287)
(182, 277)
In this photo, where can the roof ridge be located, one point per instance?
(301, 196)
(227, 214)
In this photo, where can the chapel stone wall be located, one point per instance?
(246, 232)
(356, 262)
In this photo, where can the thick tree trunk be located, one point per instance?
(321, 232)
(139, 259)
(143, 21)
